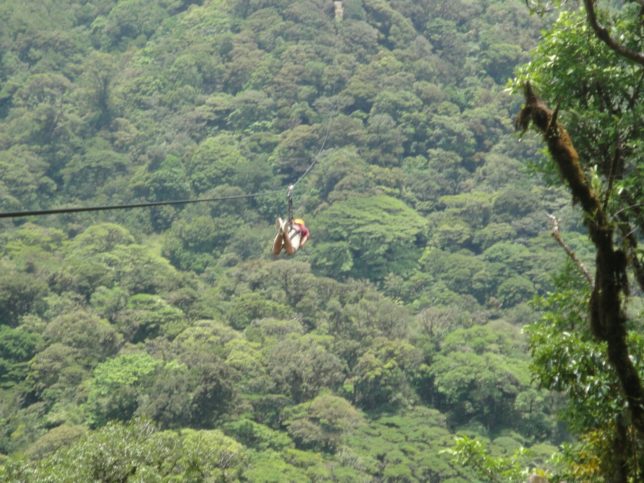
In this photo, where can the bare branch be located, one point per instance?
(556, 234)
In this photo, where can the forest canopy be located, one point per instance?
(411, 339)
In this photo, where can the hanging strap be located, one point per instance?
(290, 204)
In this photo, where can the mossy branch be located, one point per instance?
(607, 318)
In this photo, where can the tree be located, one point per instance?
(120, 452)
(19, 293)
(405, 446)
(54, 439)
(599, 159)
(214, 393)
(127, 21)
(54, 374)
(17, 346)
(300, 367)
(105, 254)
(257, 436)
(93, 168)
(191, 241)
(166, 400)
(295, 151)
(270, 467)
(497, 469)
(251, 306)
(373, 235)
(24, 179)
(603, 33)
(94, 338)
(384, 141)
(115, 387)
(147, 316)
(383, 375)
(477, 376)
(41, 100)
(218, 160)
(567, 357)
(98, 84)
(100, 238)
(211, 383)
(320, 423)
(340, 173)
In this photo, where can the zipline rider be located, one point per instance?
(292, 234)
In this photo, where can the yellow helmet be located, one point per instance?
(299, 221)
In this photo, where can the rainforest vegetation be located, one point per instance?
(431, 330)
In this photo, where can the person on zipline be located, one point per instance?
(291, 236)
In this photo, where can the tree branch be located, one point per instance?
(607, 317)
(569, 251)
(631, 248)
(603, 35)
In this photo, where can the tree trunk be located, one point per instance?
(607, 318)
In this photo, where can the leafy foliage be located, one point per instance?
(376, 235)
(567, 358)
(118, 452)
(166, 344)
(597, 355)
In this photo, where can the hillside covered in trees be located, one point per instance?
(168, 344)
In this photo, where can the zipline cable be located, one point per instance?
(330, 117)
(315, 158)
(54, 211)
(148, 204)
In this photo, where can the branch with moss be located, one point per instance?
(607, 317)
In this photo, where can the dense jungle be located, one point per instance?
(454, 316)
